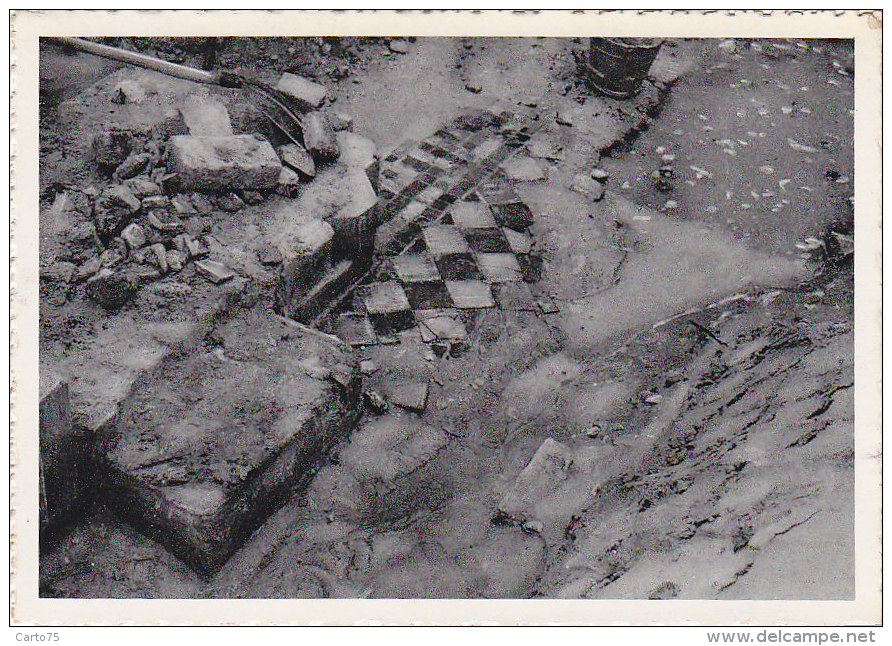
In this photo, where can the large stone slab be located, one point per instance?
(65, 467)
(237, 162)
(207, 451)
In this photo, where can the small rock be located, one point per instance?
(214, 271)
(653, 399)
(585, 185)
(183, 204)
(252, 197)
(532, 527)
(289, 183)
(158, 256)
(176, 259)
(134, 165)
(134, 236)
(307, 94)
(165, 222)
(340, 121)
(155, 202)
(368, 367)
(474, 87)
(399, 46)
(142, 187)
(594, 431)
(297, 158)
(201, 203)
(88, 268)
(374, 401)
(111, 290)
(110, 258)
(600, 175)
(230, 202)
(120, 197)
(269, 255)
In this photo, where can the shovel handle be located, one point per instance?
(140, 60)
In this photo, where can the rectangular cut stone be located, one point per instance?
(360, 152)
(499, 267)
(206, 117)
(237, 162)
(355, 220)
(65, 468)
(444, 240)
(471, 215)
(306, 261)
(269, 423)
(470, 294)
(306, 94)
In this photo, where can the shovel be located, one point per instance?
(273, 103)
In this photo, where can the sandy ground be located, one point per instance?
(709, 461)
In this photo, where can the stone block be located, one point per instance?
(306, 261)
(65, 469)
(206, 117)
(360, 152)
(298, 159)
(355, 219)
(111, 147)
(304, 93)
(238, 162)
(270, 423)
(319, 138)
(410, 395)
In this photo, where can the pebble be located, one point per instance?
(368, 367)
(134, 236)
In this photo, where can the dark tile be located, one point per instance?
(392, 322)
(487, 240)
(429, 214)
(443, 201)
(413, 189)
(428, 295)
(515, 215)
(416, 164)
(530, 267)
(384, 195)
(458, 266)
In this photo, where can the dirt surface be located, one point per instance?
(697, 370)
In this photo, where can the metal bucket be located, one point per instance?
(616, 67)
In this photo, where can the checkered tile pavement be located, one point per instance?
(464, 245)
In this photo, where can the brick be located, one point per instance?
(206, 117)
(304, 93)
(223, 163)
(548, 469)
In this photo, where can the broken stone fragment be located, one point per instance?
(297, 158)
(399, 46)
(289, 183)
(600, 175)
(114, 210)
(214, 271)
(474, 87)
(170, 125)
(230, 202)
(411, 396)
(306, 94)
(110, 258)
(142, 187)
(134, 165)
(88, 268)
(374, 401)
(368, 367)
(238, 162)
(165, 222)
(110, 289)
(176, 259)
(134, 236)
(201, 203)
(155, 202)
(158, 257)
(111, 147)
(590, 188)
(182, 204)
(206, 117)
(359, 152)
(119, 197)
(269, 255)
(319, 138)
(340, 121)
(251, 197)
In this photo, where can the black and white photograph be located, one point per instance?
(452, 317)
